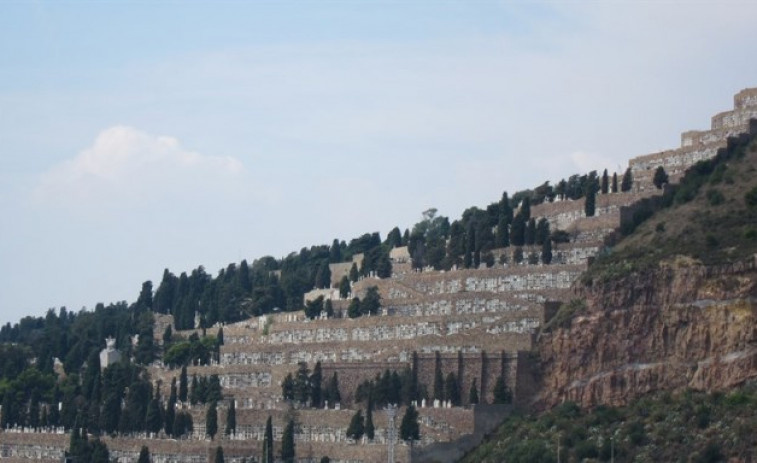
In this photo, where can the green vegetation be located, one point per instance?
(686, 427)
(708, 218)
(565, 314)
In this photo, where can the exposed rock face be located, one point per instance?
(671, 329)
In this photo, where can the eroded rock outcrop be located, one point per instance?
(674, 328)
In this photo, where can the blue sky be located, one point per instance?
(136, 136)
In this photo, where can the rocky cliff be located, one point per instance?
(680, 326)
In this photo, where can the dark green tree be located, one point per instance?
(211, 420)
(371, 303)
(219, 455)
(170, 413)
(452, 389)
(614, 188)
(287, 387)
(370, 429)
(546, 252)
(501, 392)
(287, 443)
(605, 186)
(409, 428)
(660, 177)
(530, 237)
(394, 238)
(518, 231)
(354, 274)
(154, 418)
(525, 208)
(268, 442)
(231, 419)
(344, 287)
(144, 455)
(473, 394)
(356, 429)
(590, 200)
(627, 183)
(332, 390)
(313, 308)
(316, 389)
(502, 238)
(328, 307)
(302, 384)
(353, 310)
(438, 378)
(183, 384)
(335, 252)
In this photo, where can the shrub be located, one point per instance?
(751, 197)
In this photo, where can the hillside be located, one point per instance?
(670, 307)
(458, 324)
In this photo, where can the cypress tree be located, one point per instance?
(370, 430)
(473, 395)
(605, 183)
(546, 251)
(144, 455)
(590, 201)
(211, 420)
(231, 419)
(219, 455)
(409, 429)
(287, 443)
(268, 442)
(183, 386)
(438, 379)
(614, 182)
(530, 237)
(627, 183)
(356, 429)
(660, 177)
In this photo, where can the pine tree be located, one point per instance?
(268, 442)
(144, 455)
(287, 443)
(231, 419)
(211, 420)
(409, 428)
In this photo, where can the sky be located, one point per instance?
(144, 135)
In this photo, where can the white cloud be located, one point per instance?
(125, 165)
